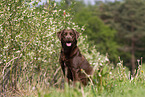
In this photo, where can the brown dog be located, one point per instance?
(71, 59)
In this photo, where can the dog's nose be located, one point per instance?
(68, 37)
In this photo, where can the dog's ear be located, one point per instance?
(59, 34)
(76, 33)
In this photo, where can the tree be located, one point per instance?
(98, 33)
(128, 19)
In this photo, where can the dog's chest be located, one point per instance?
(71, 64)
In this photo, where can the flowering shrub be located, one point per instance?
(29, 45)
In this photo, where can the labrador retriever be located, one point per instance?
(71, 60)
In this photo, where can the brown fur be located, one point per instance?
(71, 59)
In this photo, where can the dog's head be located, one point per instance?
(67, 37)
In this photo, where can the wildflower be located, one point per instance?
(100, 75)
(112, 67)
(0, 62)
(138, 61)
(18, 51)
(142, 71)
(106, 58)
(33, 88)
(82, 29)
(73, 23)
(55, 11)
(101, 64)
(99, 58)
(118, 63)
(64, 13)
(54, 4)
(94, 63)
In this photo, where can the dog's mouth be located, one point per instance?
(68, 44)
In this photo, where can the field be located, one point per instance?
(126, 88)
(117, 85)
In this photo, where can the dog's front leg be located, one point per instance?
(65, 76)
(75, 77)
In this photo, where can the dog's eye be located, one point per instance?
(65, 34)
(71, 33)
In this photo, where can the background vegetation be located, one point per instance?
(116, 28)
(29, 47)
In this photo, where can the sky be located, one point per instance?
(90, 1)
(86, 1)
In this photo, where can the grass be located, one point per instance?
(122, 89)
(115, 87)
(115, 84)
